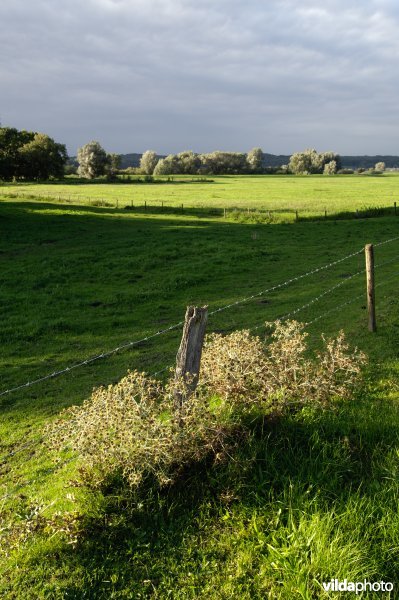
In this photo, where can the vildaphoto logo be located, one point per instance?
(357, 586)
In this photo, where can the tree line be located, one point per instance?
(36, 156)
(92, 160)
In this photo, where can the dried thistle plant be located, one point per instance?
(247, 371)
(134, 429)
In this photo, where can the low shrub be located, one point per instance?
(246, 371)
(133, 430)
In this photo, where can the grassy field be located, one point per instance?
(285, 194)
(306, 498)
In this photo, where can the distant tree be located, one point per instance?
(70, 169)
(310, 161)
(42, 158)
(303, 163)
(171, 164)
(380, 166)
(92, 160)
(327, 157)
(9, 145)
(330, 168)
(223, 162)
(162, 167)
(255, 159)
(30, 155)
(148, 162)
(188, 162)
(114, 162)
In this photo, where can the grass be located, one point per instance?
(312, 196)
(306, 498)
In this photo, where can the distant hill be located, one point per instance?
(348, 162)
(355, 162)
(276, 160)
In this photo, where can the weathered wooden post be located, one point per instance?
(394, 206)
(369, 252)
(296, 216)
(224, 210)
(188, 357)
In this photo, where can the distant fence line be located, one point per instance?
(264, 214)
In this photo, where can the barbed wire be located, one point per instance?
(287, 282)
(180, 323)
(362, 295)
(326, 292)
(35, 443)
(313, 300)
(175, 326)
(386, 241)
(92, 359)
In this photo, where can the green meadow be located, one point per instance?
(307, 194)
(306, 497)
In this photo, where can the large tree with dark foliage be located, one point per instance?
(30, 155)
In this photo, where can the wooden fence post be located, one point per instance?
(394, 205)
(188, 357)
(369, 252)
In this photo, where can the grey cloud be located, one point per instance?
(177, 74)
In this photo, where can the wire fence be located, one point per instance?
(130, 344)
(264, 214)
(309, 303)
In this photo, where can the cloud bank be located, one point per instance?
(178, 74)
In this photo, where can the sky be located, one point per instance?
(203, 75)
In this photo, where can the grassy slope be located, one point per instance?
(311, 497)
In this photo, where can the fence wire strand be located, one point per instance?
(177, 325)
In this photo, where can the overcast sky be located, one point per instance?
(172, 75)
